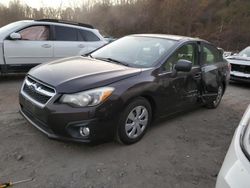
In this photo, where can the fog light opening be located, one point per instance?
(84, 131)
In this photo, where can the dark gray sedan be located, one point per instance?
(120, 88)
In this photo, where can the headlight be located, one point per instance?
(245, 142)
(87, 98)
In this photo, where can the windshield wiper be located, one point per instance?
(87, 55)
(113, 60)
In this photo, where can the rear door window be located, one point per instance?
(210, 54)
(84, 35)
(65, 33)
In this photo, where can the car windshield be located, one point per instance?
(10, 26)
(135, 51)
(245, 52)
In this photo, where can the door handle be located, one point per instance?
(81, 46)
(46, 46)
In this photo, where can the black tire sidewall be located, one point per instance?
(121, 133)
(211, 104)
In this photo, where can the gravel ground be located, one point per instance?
(185, 151)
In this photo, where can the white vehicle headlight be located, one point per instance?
(87, 98)
(245, 142)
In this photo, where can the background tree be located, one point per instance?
(223, 22)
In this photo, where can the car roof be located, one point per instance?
(66, 22)
(171, 37)
(60, 22)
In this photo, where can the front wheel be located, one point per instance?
(134, 121)
(215, 103)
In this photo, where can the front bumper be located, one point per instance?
(239, 76)
(235, 171)
(62, 122)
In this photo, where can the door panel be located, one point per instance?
(210, 71)
(90, 46)
(181, 88)
(192, 86)
(66, 43)
(28, 52)
(209, 77)
(66, 49)
(179, 91)
(71, 42)
(33, 48)
(171, 91)
(90, 39)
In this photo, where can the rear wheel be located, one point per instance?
(215, 103)
(134, 121)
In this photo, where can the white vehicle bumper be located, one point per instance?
(235, 171)
(239, 76)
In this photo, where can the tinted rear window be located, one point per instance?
(84, 35)
(65, 33)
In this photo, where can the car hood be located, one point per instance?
(239, 60)
(77, 74)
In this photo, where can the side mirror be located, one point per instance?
(183, 65)
(15, 36)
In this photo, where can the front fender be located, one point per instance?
(137, 86)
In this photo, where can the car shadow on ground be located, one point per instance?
(164, 119)
(240, 84)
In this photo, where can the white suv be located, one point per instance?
(25, 44)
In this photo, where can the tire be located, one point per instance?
(214, 104)
(134, 121)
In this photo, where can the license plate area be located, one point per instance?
(34, 110)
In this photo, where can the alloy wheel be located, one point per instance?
(219, 95)
(136, 122)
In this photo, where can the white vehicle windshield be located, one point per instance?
(245, 52)
(135, 51)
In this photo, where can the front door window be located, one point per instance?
(35, 33)
(186, 52)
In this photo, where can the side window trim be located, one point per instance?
(203, 44)
(197, 54)
(196, 45)
(79, 33)
(20, 29)
(54, 33)
(207, 45)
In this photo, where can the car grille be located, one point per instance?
(37, 91)
(240, 68)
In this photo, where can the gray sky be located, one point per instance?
(47, 3)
